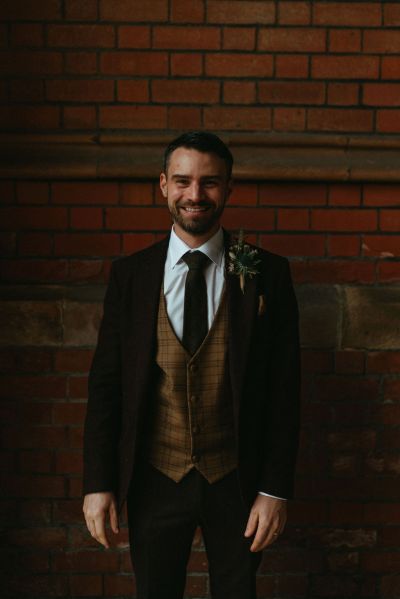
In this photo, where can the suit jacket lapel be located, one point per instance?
(242, 310)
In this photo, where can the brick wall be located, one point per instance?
(88, 67)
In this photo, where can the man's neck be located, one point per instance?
(195, 241)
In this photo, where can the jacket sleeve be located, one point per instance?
(102, 423)
(279, 434)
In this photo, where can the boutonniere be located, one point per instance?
(242, 260)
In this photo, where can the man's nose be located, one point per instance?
(196, 192)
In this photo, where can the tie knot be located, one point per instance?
(195, 260)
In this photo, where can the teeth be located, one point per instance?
(195, 209)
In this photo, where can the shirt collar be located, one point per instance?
(213, 248)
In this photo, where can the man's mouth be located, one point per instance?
(195, 209)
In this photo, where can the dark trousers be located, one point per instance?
(163, 516)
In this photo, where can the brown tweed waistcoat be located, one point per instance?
(192, 423)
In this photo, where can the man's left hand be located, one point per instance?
(266, 521)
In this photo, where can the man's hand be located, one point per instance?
(266, 521)
(96, 506)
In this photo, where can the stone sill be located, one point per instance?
(258, 157)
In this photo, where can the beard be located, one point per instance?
(200, 223)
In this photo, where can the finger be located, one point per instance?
(90, 527)
(114, 518)
(262, 533)
(251, 524)
(100, 532)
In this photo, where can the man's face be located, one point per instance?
(196, 187)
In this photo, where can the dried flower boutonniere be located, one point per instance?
(243, 260)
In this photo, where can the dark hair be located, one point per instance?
(202, 141)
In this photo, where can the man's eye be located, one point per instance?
(210, 183)
(182, 182)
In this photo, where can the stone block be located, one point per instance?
(81, 322)
(30, 323)
(371, 318)
(320, 315)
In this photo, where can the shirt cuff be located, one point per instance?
(274, 496)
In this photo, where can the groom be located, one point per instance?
(193, 407)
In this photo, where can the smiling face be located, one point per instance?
(196, 187)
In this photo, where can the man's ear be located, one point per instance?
(163, 184)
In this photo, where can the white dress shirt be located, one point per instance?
(175, 277)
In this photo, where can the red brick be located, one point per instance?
(26, 90)
(381, 94)
(293, 585)
(295, 219)
(292, 66)
(86, 585)
(184, 117)
(382, 41)
(69, 413)
(85, 193)
(239, 38)
(140, 219)
(344, 245)
(344, 194)
(294, 245)
(384, 246)
(343, 220)
(75, 487)
(72, 360)
(35, 244)
(80, 90)
(85, 36)
(223, 11)
(391, 13)
(15, 10)
(388, 121)
(76, 244)
(185, 91)
(377, 194)
(289, 119)
(134, 36)
(390, 416)
(349, 362)
(79, 117)
(35, 461)
(196, 586)
(126, 10)
(33, 361)
(256, 219)
(29, 117)
(187, 64)
(27, 34)
(46, 538)
(287, 194)
(34, 62)
(133, 91)
(383, 362)
(381, 562)
(139, 194)
(341, 272)
(347, 14)
(244, 194)
(33, 386)
(116, 585)
(389, 220)
(8, 244)
(32, 192)
(7, 192)
(292, 39)
(186, 38)
(36, 412)
(336, 119)
(345, 40)
(294, 13)
(239, 92)
(68, 462)
(33, 218)
(78, 387)
(81, 10)
(133, 242)
(245, 119)
(86, 271)
(284, 92)
(390, 586)
(390, 67)
(345, 67)
(134, 63)
(34, 270)
(81, 63)
(139, 117)
(184, 12)
(344, 94)
(389, 272)
(86, 218)
(239, 65)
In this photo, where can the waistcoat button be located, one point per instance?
(195, 459)
(193, 399)
(195, 429)
(193, 368)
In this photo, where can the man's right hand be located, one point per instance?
(96, 506)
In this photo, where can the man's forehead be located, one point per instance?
(184, 158)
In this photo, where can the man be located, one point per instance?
(193, 392)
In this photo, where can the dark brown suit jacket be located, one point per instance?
(263, 362)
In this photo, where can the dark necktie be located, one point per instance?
(195, 320)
